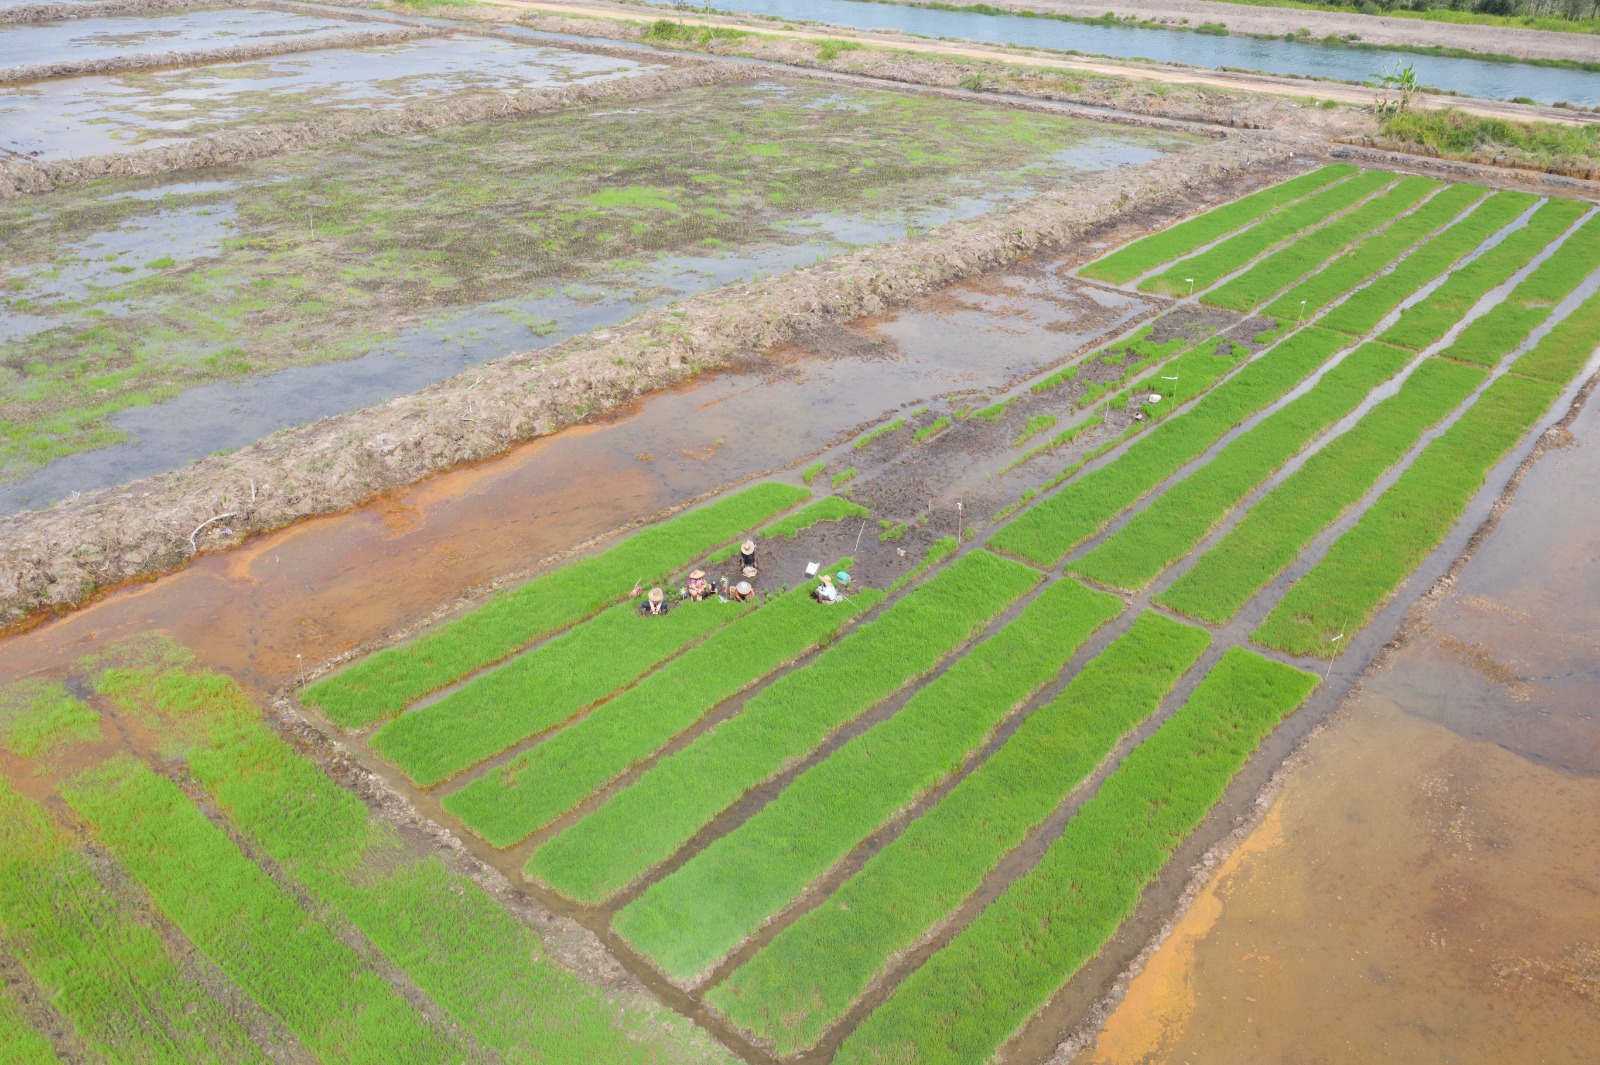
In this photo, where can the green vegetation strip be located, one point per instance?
(1047, 532)
(689, 920)
(1362, 312)
(879, 431)
(1144, 255)
(382, 684)
(514, 800)
(1365, 565)
(974, 993)
(1498, 333)
(833, 508)
(663, 809)
(1278, 527)
(1425, 322)
(20, 1044)
(1567, 348)
(450, 937)
(541, 689)
(1368, 258)
(38, 717)
(255, 932)
(98, 960)
(1210, 266)
(808, 976)
(1182, 515)
(1302, 258)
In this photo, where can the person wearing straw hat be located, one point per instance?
(826, 592)
(655, 604)
(699, 588)
(743, 592)
(747, 558)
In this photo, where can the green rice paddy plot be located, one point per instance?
(1567, 348)
(1180, 517)
(1145, 254)
(39, 717)
(969, 998)
(661, 811)
(1271, 536)
(1204, 270)
(512, 801)
(687, 921)
(1054, 527)
(449, 936)
(802, 982)
(19, 1043)
(380, 686)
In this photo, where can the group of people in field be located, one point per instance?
(702, 588)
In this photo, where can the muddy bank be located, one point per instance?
(24, 177)
(99, 9)
(1369, 29)
(59, 557)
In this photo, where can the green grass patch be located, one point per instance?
(452, 938)
(832, 508)
(809, 474)
(658, 813)
(881, 430)
(1362, 312)
(1181, 516)
(255, 932)
(19, 1043)
(686, 922)
(808, 976)
(98, 960)
(1454, 133)
(1210, 266)
(1365, 565)
(1302, 258)
(1147, 253)
(1037, 424)
(829, 50)
(381, 685)
(1426, 321)
(1272, 535)
(976, 991)
(38, 717)
(932, 429)
(844, 476)
(1047, 532)
(1567, 348)
(994, 411)
(542, 689)
(513, 801)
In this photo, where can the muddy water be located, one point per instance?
(71, 117)
(1427, 886)
(82, 40)
(328, 585)
(232, 414)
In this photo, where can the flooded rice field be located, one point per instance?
(97, 114)
(1424, 887)
(334, 258)
(96, 39)
(1312, 59)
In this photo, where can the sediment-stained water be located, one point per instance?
(90, 39)
(98, 114)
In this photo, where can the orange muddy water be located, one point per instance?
(1427, 886)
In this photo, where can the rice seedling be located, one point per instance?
(540, 690)
(690, 919)
(1567, 348)
(647, 821)
(1145, 254)
(20, 1043)
(1200, 272)
(808, 976)
(286, 960)
(1302, 258)
(38, 717)
(512, 801)
(1365, 566)
(381, 685)
(844, 477)
(977, 990)
(102, 964)
(1181, 516)
(932, 429)
(881, 430)
(1036, 424)
(809, 474)
(1278, 527)
(1047, 532)
(994, 411)
(831, 508)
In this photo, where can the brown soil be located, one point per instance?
(1372, 29)
(58, 557)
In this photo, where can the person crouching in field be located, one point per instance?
(826, 592)
(655, 604)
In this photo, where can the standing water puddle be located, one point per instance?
(87, 40)
(1469, 77)
(106, 113)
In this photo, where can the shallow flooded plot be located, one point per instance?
(86, 40)
(94, 115)
(388, 250)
